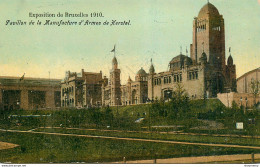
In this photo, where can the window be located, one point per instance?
(180, 77)
(170, 80)
(193, 75)
(189, 75)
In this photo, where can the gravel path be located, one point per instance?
(192, 160)
(136, 139)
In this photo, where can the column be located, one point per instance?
(49, 99)
(24, 100)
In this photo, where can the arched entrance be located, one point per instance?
(134, 98)
(217, 83)
(167, 94)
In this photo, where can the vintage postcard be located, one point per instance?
(129, 82)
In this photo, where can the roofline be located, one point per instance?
(254, 70)
(25, 78)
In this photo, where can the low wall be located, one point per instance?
(244, 99)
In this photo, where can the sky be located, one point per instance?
(157, 30)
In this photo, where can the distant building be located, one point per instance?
(81, 89)
(29, 93)
(205, 73)
(244, 82)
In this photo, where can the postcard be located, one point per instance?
(129, 82)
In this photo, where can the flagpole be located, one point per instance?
(115, 51)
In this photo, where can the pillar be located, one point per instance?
(24, 100)
(49, 99)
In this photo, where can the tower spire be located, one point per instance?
(181, 49)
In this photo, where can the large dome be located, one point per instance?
(141, 72)
(208, 9)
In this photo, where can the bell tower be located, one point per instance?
(209, 37)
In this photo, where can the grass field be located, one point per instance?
(40, 148)
(154, 135)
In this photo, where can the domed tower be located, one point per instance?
(141, 75)
(151, 69)
(114, 63)
(231, 74)
(230, 60)
(209, 37)
(115, 83)
(151, 81)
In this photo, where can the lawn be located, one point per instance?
(40, 148)
(154, 135)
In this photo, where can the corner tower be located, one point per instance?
(209, 37)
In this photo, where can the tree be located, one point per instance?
(179, 104)
(255, 88)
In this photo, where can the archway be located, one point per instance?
(217, 83)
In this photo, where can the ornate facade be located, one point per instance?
(135, 92)
(205, 73)
(81, 89)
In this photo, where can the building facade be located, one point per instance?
(29, 93)
(205, 73)
(81, 89)
(135, 92)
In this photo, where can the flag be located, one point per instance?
(114, 49)
(22, 78)
(186, 50)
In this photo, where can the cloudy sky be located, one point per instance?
(158, 29)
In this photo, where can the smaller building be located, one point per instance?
(29, 93)
(244, 82)
(81, 89)
(247, 94)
